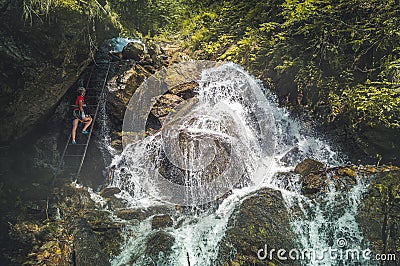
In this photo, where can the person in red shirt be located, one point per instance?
(79, 114)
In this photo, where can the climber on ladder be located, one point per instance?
(79, 114)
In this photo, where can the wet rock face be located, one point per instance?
(129, 73)
(86, 247)
(379, 210)
(314, 178)
(109, 192)
(167, 102)
(260, 220)
(39, 61)
(126, 79)
(316, 184)
(161, 221)
(127, 76)
(312, 184)
(74, 232)
(307, 166)
(158, 246)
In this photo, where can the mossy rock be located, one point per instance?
(378, 216)
(261, 219)
(159, 244)
(308, 166)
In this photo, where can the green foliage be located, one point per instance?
(328, 49)
(43, 7)
(149, 16)
(371, 103)
(197, 29)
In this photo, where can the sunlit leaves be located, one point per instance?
(372, 103)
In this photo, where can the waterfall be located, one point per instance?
(104, 139)
(246, 138)
(328, 227)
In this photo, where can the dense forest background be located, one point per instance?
(337, 60)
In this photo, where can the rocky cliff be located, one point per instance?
(41, 56)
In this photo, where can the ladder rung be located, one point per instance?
(102, 62)
(91, 92)
(94, 91)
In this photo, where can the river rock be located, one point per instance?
(260, 220)
(70, 198)
(159, 246)
(109, 191)
(347, 171)
(115, 203)
(133, 50)
(86, 246)
(144, 213)
(312, 184)
(161, 221)
(307, 166)
(342, 178)
(133, 214)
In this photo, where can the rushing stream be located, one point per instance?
(226, 143)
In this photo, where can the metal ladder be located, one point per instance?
(73, 155)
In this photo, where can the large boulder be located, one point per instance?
(157, 249)
(315, 178)
(308, 166)
(72, 231)
(133, 50)
(126, 78)
(86, 246)
(260, 220)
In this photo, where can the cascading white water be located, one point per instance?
(328, 227)
(220, 113)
